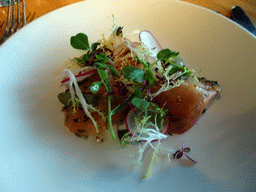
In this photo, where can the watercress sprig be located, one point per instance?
(98, 60)
(136, 75)
(164, 56)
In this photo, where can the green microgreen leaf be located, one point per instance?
(80, 41)
(133, 73)
(188, 73)
(95, 86)
(79, 59)
(99, 65)
(174, 54)
(94, 46)
(103, 74)
(148, 76)
(65, 98)
(140, 103)
(175, 69)
(145, 63)
(87, 56)
(165, 54)
(92, 99)
(113, 70)
(138, 93)
(103, 58)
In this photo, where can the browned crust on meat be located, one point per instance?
(186, 103)
(82, 126)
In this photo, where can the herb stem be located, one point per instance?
(122, 106)
(153, 64)
(109, 113)
(110, 119)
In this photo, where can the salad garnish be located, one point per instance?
(151, 86)
(184, 150)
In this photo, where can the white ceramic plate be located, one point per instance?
(37, 153)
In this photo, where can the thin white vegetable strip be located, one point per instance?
(79, 94)
(88, 71)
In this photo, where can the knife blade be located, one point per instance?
(240, 17)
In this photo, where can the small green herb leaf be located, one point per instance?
(92, 99)
(148, 76)
(145, 63)
(65, 98)
(188, 73)
(103, 74)
(138, 93)
(165, 54)
(174, 54)
(94, 46)
(99, 65)
(140, 103)
(80, 41)
(133, 73)
(95, 86)
(102, 58)
(86, 57)
(79, 59)
(177, 68)
(113, 70)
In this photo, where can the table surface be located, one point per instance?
(37, 8)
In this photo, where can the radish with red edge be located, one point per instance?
(143, 126)
(80, 76)
(147, 38)
(146, 127)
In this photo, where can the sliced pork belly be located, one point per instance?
(82, 126)
(187, 102)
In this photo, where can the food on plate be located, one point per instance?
(117, 81)
(187, 102)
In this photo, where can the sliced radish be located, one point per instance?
(132, 127)
(147, 38)
(87, 73)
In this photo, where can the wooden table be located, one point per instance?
(224, 6)
(41, 7)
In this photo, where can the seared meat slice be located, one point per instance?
(83, 126)
(186, 103)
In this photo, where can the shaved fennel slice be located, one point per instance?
(130, 45)
(143, 127)
(147, 132)
(166, 86)
(79, 94)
